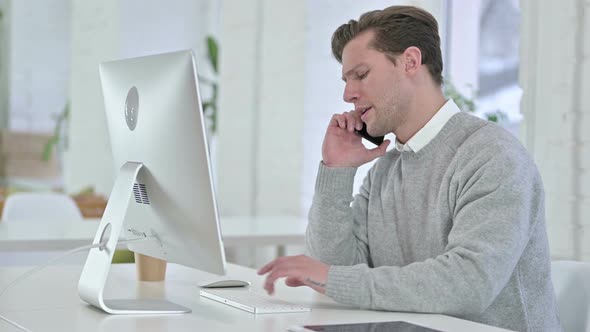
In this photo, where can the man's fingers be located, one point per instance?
(358, 123)
(287, 266)
(273, 264)
(339, 120)
(269, 283)
(384, 145)
(269, 288)
(350, 121)
(334, 121)
(381, 149)
(266, 268)
(280, 263)
(278, 273)
(293, 282)
(347, 120)
(354, 121)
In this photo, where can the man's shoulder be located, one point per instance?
(481, 144)
(485, 137)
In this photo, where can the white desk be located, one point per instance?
(29, 235)
(49, 301)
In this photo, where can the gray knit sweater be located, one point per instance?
(457, 228)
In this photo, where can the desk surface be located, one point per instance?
(48, 301)
(29, 235)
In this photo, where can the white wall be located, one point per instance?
(95, 38)
(463, 45)
(4, 62)
(259, 151)
(39, 63)
(555, 77)
(111, 29)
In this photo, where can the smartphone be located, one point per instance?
(364, 134)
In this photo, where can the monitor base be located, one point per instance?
(98, 264)
(143, 306)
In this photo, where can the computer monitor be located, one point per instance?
(163, 187)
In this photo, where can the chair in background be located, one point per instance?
(571, 281)
(49, 207)
(40, 206)
(33, 208)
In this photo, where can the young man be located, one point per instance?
(451, 221)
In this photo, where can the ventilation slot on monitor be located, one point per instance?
(140, 193)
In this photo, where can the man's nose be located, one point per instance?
(350, 93)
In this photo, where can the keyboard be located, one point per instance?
(250, 301)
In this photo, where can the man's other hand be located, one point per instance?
(299, 270)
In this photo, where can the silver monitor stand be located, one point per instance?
(97, 266)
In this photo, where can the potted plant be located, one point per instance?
(210, 105)
(467, 104)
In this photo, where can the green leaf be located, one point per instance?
(207, 105)
(464, 103)
(496, 116)
(214, 120)
(48, 148)
(204, 80)
(212, 52)
(55, 139)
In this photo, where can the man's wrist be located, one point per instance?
(336, 165)
(335, 179)
(328, 164)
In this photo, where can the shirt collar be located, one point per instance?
(430, 129)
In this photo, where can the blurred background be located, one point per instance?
(271, 85)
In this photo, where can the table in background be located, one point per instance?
(29, 235)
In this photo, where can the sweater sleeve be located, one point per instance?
(337, 232)
(498, 203)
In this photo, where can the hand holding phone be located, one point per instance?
(342, 145)
(364, 134)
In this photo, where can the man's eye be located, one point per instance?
(363, 75)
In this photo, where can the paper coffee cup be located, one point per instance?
(150, 268)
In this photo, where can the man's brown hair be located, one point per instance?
(396, 28)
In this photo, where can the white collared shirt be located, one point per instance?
(430, 129)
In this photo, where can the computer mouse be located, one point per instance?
(229, 283)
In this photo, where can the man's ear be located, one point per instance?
(412, 59)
